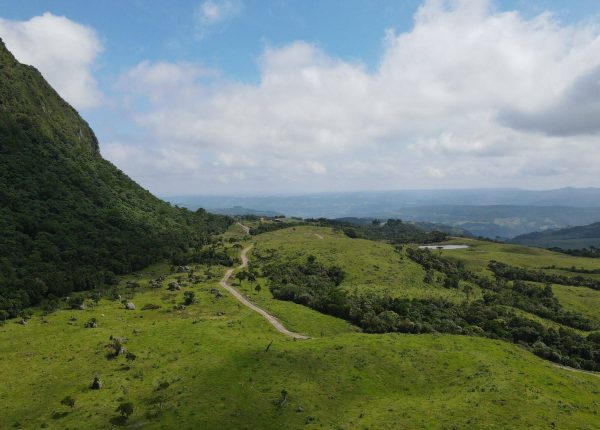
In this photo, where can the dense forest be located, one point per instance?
(69, 219)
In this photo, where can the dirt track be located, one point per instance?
(235, 293)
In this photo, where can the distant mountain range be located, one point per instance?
(565, 238)
(504, 213)
(240, 211)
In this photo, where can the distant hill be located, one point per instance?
(505, 221)
(565, 238)
(425, 226)
(497, 212)
(240, 211)
(378, 203)
(69, 219)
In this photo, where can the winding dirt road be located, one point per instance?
(245, 227)
(235, 293)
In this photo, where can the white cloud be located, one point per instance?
(62, 50)
(212, 11)
(211, 14)
(441, 109)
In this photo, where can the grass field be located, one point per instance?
(207, 366)
(579, 299)
(368, 264)
(480, 252)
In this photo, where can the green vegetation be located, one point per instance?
(70, 220)
(392, 231)
(369, 265)
(314, 285)
(506, 271)
(207, 367)
(571, 238)
(591, 252)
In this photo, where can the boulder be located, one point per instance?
(96, 384)
(174, 286)
(130, 306)
(91, 323)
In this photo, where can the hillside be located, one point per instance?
(70, 220)
(564, 238)
(217, 365)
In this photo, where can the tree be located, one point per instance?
(68, 401)
(468, 289)
(189, 298)
(95, 296)
(451, 282)
(240, 276)
(125, 409)
(251, 278)
(257, 288)
(26, 314)
(429, 277)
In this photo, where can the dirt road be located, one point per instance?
(241, 298)
(245, 227)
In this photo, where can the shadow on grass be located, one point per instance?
(119, 420)
(58, 415)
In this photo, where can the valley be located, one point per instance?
(216, 363)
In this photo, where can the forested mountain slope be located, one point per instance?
(70, 220)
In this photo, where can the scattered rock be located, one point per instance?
(220, 313)
(150, 306)
(155, 284)
(73, 318)
(130, 306)
(23, 321)
(174, 286)
(91, 323)
(179, 307)
(299, 409)
(97, 384)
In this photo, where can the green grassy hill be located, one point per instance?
(70, 220)
(207, 366)
(565, 238)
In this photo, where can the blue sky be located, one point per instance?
(138, 30)
(225, 50)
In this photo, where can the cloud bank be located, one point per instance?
(62, 50)
(471, 96)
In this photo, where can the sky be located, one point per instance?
(270, 97)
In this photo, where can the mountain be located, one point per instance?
(69, 219)
(501, 220)
(239, 211)
(565, 238)
(498, 212)
(380, 203)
